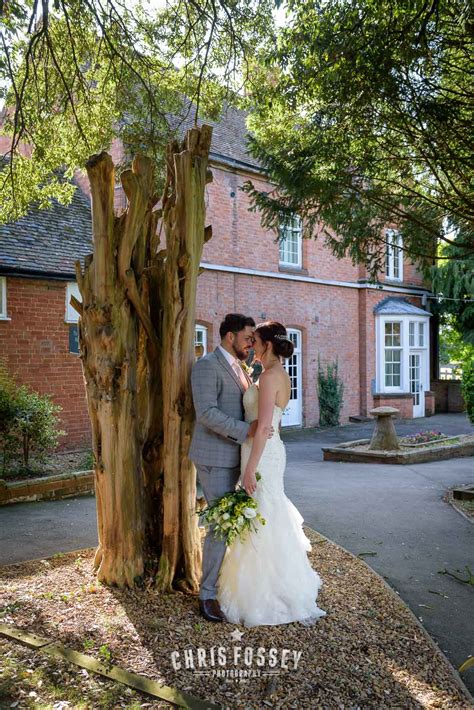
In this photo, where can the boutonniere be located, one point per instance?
(248, 370)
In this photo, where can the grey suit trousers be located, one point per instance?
(215, 482)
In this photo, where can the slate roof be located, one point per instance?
(392, 306)
(229, 135)
(48, 241)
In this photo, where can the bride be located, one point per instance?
(266, 579)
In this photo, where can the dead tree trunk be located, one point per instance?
(183, 219)
(136, 331)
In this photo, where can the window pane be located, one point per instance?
(396, 258)
(200, 340)
(393, 334)
(393, 255)
(397, 339)
(392, 367)
(387, 260)
(421, 335)
(396, 266)
(411, 327)
(72, 289)
(290, 239)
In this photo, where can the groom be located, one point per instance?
(218, 383)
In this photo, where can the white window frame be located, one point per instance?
(405, 321)
(198, 328)
(421, 342)
(3, 300)
(393, 388)
(294, 227)
(72, 289)
(298, 355)
(393, 255)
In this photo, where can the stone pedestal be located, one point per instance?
(384, 437)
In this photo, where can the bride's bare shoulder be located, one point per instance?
(273, 378)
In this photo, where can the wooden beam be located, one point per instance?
(120, 675)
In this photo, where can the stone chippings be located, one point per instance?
(368, 652)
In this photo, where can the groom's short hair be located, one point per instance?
(234, 323)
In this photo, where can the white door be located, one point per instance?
(292, 416)
(416, 383)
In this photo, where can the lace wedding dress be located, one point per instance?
(267, 579)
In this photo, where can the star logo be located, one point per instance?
(236, 635)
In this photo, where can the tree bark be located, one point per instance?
(183, 219)
(136, 331)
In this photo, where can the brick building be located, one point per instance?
(381, 335)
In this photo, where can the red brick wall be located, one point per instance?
(448, 396)
(429, 403)
(404, 404)
(326, 315)
(35, 343)
(240, 240)
(335, 321)
(244, 243)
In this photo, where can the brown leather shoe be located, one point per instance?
(211, 610)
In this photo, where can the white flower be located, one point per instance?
(226, 516)
(240, 521)
(226, 526)
(249, 513)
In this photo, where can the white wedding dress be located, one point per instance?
(267, 579)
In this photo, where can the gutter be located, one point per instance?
(219, 159)
(413, 290)
(37, 273)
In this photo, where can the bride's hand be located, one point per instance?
(249, 482)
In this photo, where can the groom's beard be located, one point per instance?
(240, 354)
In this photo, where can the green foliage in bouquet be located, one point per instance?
(233, 515)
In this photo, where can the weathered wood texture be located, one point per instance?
(136, 332)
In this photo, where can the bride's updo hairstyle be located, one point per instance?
(275, 333)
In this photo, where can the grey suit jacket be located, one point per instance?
(219, 429)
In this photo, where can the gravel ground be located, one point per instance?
(368, 652)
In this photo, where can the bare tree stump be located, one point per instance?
(136, 331)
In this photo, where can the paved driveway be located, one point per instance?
(395, 511)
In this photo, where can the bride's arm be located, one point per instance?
(266, 403)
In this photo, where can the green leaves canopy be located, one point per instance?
(77, 73)
(363, 119)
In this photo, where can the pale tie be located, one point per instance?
(240, 374)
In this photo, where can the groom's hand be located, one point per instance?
(253, 429)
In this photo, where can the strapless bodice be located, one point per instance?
(251, 407)
(272, 462)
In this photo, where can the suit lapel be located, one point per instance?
(222, 361)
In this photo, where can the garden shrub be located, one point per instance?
(330, 393)
(467, 387)
(29, 423)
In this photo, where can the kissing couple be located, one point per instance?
(265, 578)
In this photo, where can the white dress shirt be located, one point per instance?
(235, 365)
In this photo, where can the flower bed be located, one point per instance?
(423, 437)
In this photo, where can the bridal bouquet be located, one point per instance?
(233, 515)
